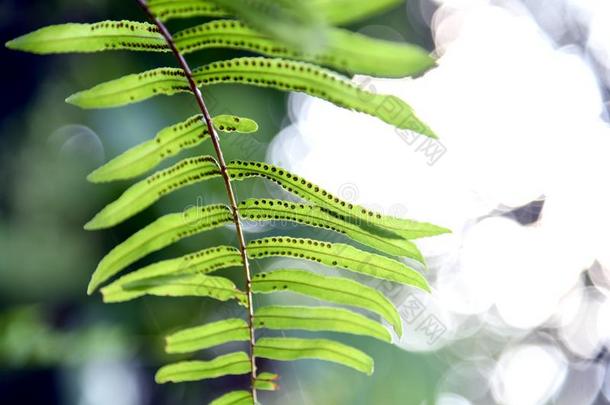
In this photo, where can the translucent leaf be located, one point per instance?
(266, 381)
(303, 188)
(286, 20)
(312, 215)
(196, 285)
(168, 9)
(228, 364)
(102, 36)
(319, 319)
(288, 349)
(132, 88)
(206, 336)
(316, 81)
(167, 143)
(338, 255)
(164, 231)
(332, 289)
(201, 262)
(347, 11)
(146, 192)
(344, 50)
(234, 398)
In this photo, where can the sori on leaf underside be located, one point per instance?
(302, 48)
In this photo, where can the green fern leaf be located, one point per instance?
(345, 50)
(201, 262)
(146, 192)
(102, 36)
(234, 398)
(266, 381)
(206, 336)
(347, 11)
(228, 364)
(167, 143)
(337, 290)
(157, 235)
(132, 88)
(316, 81)
(300, 187)
(338, 255)
(274, 210)
(286, 20)
(319, 319)
(288, 349)
(167, 9)
(197, 285)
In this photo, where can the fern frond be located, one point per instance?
(287, 349)
(161, 233)
(257, 209)
(206, 336)
(319, 319)
(228, 364)
(202, 262)
(345, 50)
(337, 290)
(167, 143)
(303, 188)
(102, 36)
(266, 381)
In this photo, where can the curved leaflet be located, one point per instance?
(306, 78)
(228, 364)
(338, 255)
(148, 191)
(202, 262)
(163, 232)
(305, 189)
(312, 215)
(287, 349)
(101, 36)
(345, 50)
(337, 290)
(132, 88)
(167, 143)
(319, 319)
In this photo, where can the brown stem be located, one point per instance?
(225, 176)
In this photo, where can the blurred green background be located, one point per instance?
(59, 346)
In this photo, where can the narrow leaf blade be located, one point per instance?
(287, 349)
(132, 88)
(338, 255)
(312, 215)
(197, 285)
(206, 336)
(307, 78)
(234, 398)
(102, 36)
(228, 364)
(157, 235)
(301, 187)
(146, 192)
(202, 262)
(332, 289)
(168, 9)
(319, 319)
(167, 143)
